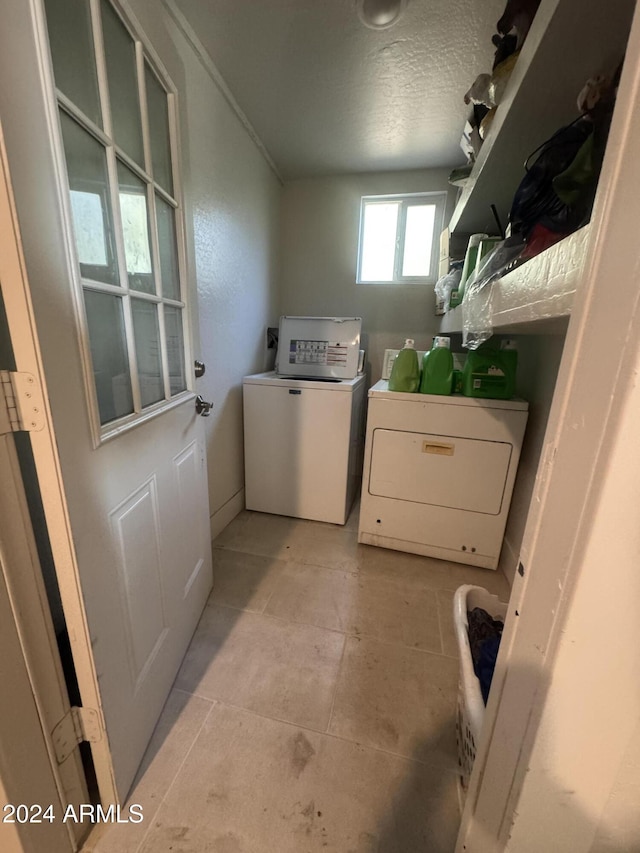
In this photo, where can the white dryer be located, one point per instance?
(439, 473)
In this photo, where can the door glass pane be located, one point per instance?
(168, 249)
(72, 54)
(120, 54)
(147, 336)
(135, 228)
(175, 348)
(379, 241)
(418, 239)
(109, 354)
(158, 109)
(90, 203)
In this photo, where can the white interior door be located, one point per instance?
(94, 165)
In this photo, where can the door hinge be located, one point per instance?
(21, 403)
(77, 725)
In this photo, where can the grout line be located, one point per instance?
(237, 549)
(358, 636)
(197, 695)
(341, 738)
(211, 602)
(274, 618)
(270, 596)
(358, 571)
(180, 766)
(337, 684)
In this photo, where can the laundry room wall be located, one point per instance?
(538, 364)
(320, 225)
(619, 825)
(232, 203)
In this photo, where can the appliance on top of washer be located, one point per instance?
(439, 473)
(319, 347)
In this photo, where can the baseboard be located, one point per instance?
(227, 512)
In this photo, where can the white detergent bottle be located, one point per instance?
(405, 373)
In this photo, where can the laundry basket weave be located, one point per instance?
(470, 713)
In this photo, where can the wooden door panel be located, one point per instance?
(135, 525)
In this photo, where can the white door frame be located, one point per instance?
(26, 769)
(535, 733)
(16, 295)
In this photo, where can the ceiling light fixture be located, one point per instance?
(380, 14)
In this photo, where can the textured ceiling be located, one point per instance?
(327, 95)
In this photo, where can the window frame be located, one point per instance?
(144, 56)
(406, 200)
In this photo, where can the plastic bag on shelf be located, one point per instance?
(477, 324)
(445, 285)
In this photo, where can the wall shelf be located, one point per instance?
(537, 297)
(568, 42)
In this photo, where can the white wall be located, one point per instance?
(619, 825)
(538, 362)
(320, 222)
(232, 202)
(580, 790)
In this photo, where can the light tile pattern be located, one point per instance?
(314, 710)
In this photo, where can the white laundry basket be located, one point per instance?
(470, 715)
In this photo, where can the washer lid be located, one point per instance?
(273, 379)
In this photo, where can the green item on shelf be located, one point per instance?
(468, 269)
(405, 373)
(490, 373)
(437, 368)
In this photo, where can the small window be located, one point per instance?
(399, 238)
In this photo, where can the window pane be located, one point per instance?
(74, 64)
(90, 204)
(158, 109)
(135, 228)
(109, 354)
(120, 54)
(175, 348)
(168, 249)
(147, 336)
(379, 241)
(418, 239)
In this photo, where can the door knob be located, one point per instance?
(199, 367)
(202, 407)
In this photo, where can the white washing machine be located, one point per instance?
(303, 445)
(303, 431)
(439, 473)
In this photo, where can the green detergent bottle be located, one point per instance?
(437, 368)
(405, 373)
(490, 372)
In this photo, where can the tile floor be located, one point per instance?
(314, 710)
